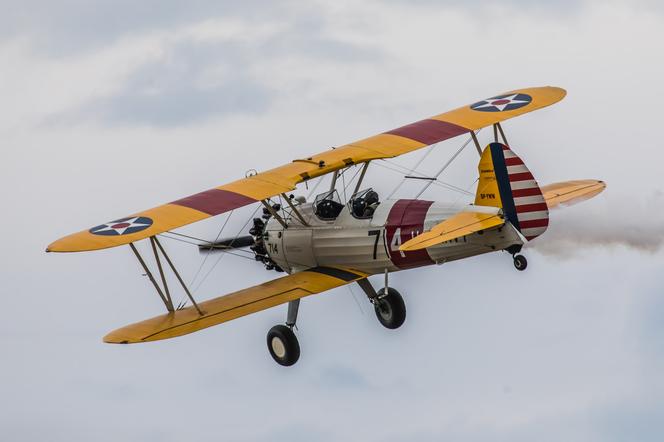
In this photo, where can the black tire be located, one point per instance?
(390, 308)
(283, 345)
(520, 262)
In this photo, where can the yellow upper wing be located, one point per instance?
(285, 178)
(463, 223)
(235, 305)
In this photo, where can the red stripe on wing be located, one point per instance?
(215, 201)
(429, 131)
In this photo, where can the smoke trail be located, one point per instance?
(629, 221)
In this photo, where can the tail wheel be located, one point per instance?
(390, 308)
(520, 262)
(283, 345)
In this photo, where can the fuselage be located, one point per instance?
(372, 245)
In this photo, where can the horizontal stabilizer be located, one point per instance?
(571, 192)
(235, 305)
(461, 224)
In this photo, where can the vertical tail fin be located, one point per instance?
(506, 182)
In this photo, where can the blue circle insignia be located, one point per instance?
(502, 103)
(123, 226)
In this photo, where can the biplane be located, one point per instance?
(328, 242)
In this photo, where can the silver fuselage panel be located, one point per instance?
(372, 245)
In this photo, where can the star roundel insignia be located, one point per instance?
(502, 103)
(123, 226)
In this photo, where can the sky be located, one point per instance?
(107, 108)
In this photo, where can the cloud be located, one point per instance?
(73, 26)
(188, 83)
(211, 68)
(486, 6)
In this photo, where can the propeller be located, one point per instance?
(254, 241)
(239, 242)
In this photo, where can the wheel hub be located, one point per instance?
(385, 310)
(278, 347)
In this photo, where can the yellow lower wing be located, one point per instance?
(235, 305)
(571, 192)
(463, 223)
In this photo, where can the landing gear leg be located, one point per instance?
(388, 304)
(282, 342)
(291, 317)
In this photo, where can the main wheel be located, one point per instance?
(520, 262)
(283, 345)
(390, 308)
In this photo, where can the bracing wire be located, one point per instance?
(203, 242)
(401, 169)
(412, 170)
(352, 179)
(206, 256)
(163, 235)
(242, 229)
(445, 166)
(432, 180)
(313, 189)
(221, 251)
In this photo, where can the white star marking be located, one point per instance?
(501, 107)
(121, 230)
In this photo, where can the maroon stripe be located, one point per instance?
(407, 217)
(532, 207)
(514, 161)
(531, 191)
(522, 176)
(214, 201)
(429, 131)
(534, 223)
(416, 212)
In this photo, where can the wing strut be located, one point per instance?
(334, 180)
(177, 275)
(167, 302)
(476, 141)
(359, 181)
(274, 213)
(502, 134)
(294, 210)
(165, 295)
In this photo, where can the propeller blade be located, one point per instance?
(227, 244)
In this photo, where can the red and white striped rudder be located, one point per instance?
(506, 182)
